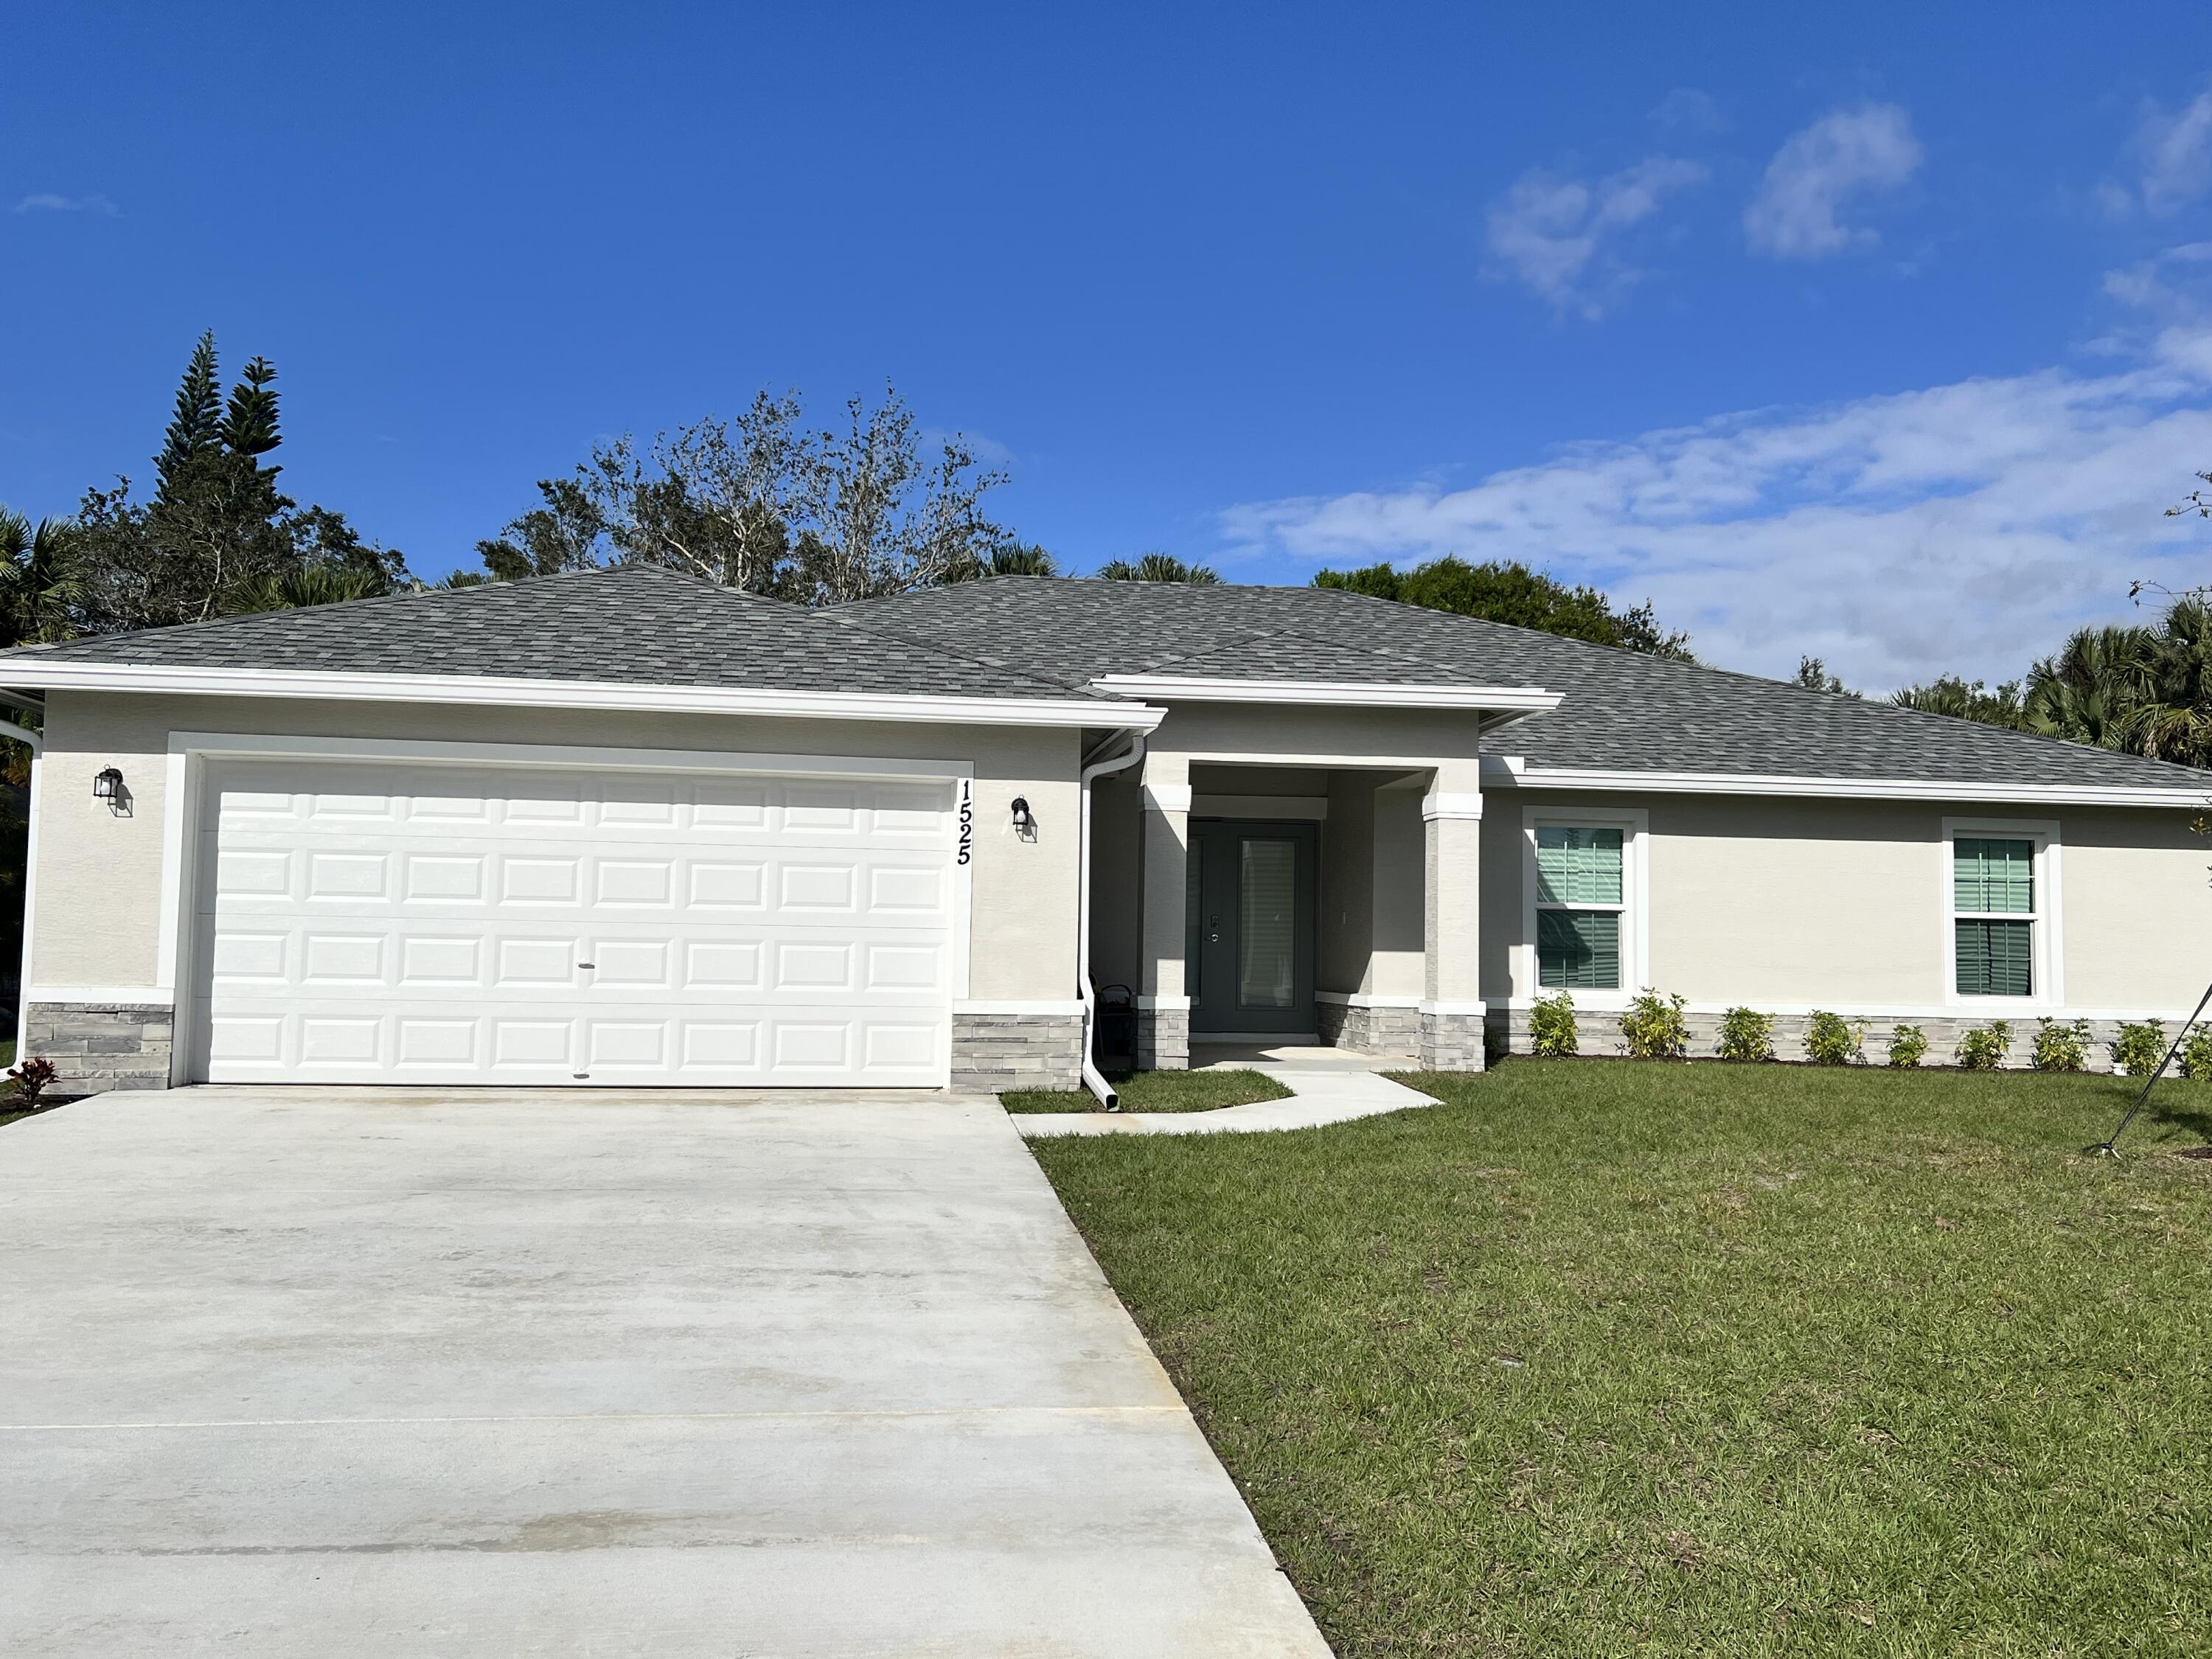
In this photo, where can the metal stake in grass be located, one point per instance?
(2106, 1147)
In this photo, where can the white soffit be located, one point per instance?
(1512, 771)
(1352, 694)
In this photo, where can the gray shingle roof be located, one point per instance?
(1621, 710)
(634, 624)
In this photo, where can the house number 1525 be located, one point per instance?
(967, 823)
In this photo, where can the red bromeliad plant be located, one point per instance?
(31, 1080)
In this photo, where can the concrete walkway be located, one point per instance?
(444, 1374)
(1326, 1086)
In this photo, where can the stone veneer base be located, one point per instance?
(1598, 1033)
(993, 1053)
(1452, 1042)
(1163, 1039)
(1370, 1031)
(99, 1046)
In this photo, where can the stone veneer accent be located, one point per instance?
(995, 1053)
(99, 1046)
(1598, 1032)
(1163, 1039)
(1370, 1031)
(1452, 1042)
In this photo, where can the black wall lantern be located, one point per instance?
(1024, 821)
(108, 786)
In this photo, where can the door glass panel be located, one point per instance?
(1265, 933)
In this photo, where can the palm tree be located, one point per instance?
(2100, 689)
(311, 584)
(1158, 568)
(42, 582)
(1015, 560)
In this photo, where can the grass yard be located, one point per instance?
(1603, 1357)
(1155, 1092)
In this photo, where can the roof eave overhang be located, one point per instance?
(1512, 771)
(146, 679)
(1347, 693)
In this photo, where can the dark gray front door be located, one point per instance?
(1248, 929)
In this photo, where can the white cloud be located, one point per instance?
(1556, 235)
(1845, 154)
(1689, 110)
(2176, 152)
(47, 202)
(1960, 528)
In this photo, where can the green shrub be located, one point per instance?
(1747, 1034)
(1831, 1040)
(2061, 1047)
(1984, 1049)
(1551, 1028)
(2196, 1056)
(2139, 1046)
(1908, 1046)
(1653, 1027)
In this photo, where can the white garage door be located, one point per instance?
(445, 924)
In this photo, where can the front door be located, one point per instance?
(1249, 927)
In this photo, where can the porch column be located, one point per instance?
(1163, 1004)
(1451, 930)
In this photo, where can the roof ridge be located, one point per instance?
(827, 614)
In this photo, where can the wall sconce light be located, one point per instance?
(108, 786)
(1024, 821)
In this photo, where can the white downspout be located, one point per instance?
(1093, 1078)
(37, 746)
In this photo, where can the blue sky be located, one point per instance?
(1874, 332)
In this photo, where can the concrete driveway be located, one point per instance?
(337, 1372)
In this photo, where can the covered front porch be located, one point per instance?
(1239, 901)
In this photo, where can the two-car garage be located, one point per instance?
(451, 922)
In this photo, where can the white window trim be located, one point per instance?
(2046, 934)
(1635, 825)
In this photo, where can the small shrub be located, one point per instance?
(1908, 1046)
(2139, 1046)
(1984, 1049)
(1747, 1034)
(2196, 1056)
(1653, 1027)
(1551, 1028)
(2061, 1047)
(31, 1080)
(1831, 1040)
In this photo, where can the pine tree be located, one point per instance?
(249, 425)
(195, 431)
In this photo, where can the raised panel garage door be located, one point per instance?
(373, 923)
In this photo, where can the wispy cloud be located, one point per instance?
(1961, 528)
(2173, 153)
(1846, 154)
(1558, 236)
(1685, 109)
(47, 202)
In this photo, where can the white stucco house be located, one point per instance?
(626, 827)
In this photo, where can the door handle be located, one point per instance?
(587, 964)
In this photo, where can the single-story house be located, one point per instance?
(623, 827)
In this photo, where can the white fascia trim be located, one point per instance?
(1352, 694)
(1451, 804)
(513, 692)
(1362, 999)
(1048, 1009)
(247, 745)
(1513, 772)
(104, 996)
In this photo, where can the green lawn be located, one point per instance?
(1602, 1358)
(1157, 1091)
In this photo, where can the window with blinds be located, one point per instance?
(1579, 908)
(1994, 917)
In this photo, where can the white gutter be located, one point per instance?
(38, 746)
(1513, 772)
(517, 691)
(1093, 1078)
(1344, 694)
